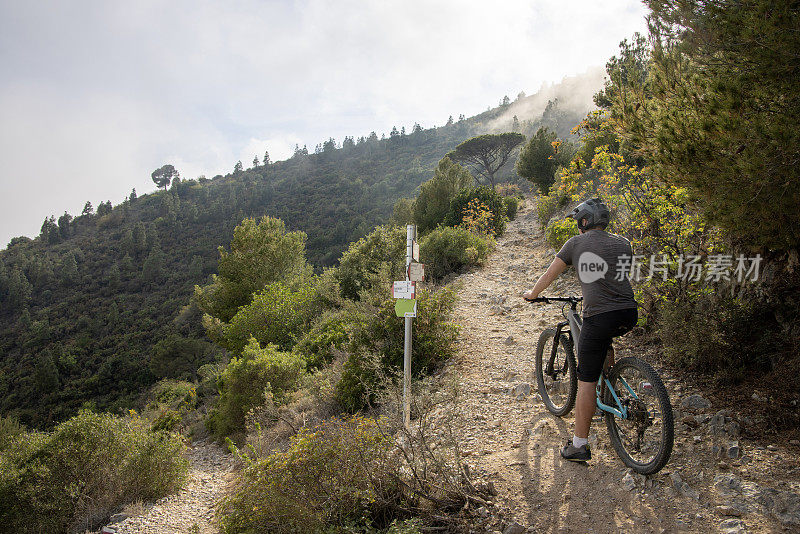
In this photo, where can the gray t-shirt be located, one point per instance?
(602, 261)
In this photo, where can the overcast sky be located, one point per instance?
(94, 95)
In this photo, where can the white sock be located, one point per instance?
(579, 442)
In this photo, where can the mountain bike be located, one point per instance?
(630, 393)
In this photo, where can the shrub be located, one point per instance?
(278, 314)
(178, 357)
(10, 429)
(546, 207)
(328, 333)
(723, 343)
(337, 473)
(89, 465)
(360, 266)
(435, 195)
(559, 231)
(377, 345)
(244, 381)
(486, 196)
(447, 249)
(171, 401)
(512, 205)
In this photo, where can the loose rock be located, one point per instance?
(695, 402)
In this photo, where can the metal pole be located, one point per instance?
(411, 232)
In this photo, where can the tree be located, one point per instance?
(153, 266)
(63, 225)
(164, 175)
(487, 153)
(238, 167)
(19, 289)
(255, 162)
(132, 196)
(87, 208)
(433, 201)
(449, 121)
(515, 124)
(49, 232)
(539, 159)
(104, 208)
(267, 161)
(261, 252)
(69, 269)
(505, 102)
(718, 112)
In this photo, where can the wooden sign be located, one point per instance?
(416, 272)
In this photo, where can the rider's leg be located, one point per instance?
(585, 405)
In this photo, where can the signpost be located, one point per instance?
(405, 291)
(412, 250)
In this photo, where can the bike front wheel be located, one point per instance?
(558, 383)
(644, 439)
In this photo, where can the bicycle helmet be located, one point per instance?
(594, 212)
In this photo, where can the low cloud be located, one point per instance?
(95, 95)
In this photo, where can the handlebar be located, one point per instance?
(547, 300)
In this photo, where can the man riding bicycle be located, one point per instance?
(609, 308)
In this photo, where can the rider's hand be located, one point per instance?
(529, 295)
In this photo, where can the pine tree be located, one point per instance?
(268, 161)
(255, 162)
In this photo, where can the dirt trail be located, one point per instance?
(191, 510)
(708, 486)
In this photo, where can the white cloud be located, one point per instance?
(94, 96)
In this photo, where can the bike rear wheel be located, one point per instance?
(559, 387)
(644, 440)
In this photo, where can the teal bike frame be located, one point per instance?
(572, 327)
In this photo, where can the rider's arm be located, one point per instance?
(556, 268)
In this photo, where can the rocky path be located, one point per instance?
(190, 511)
(714, 482)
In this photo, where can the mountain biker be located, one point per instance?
(609, 308)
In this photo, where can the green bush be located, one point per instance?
(377, 345)
(546, 207)
(277, 314)
(328, 333)
(512, 205)
(559, 231)
(338, 474)
(360, 266)
(486, 196)
(447, 249)
(10, 429)
(245, 381)
(75, 476)
(722, 343)
(435, 195)
(171, 401)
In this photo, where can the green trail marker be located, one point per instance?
(405, 307)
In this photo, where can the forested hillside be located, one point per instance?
(95, 308)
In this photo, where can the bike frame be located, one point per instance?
(572, 327)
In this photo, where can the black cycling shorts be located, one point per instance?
(596, 335)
